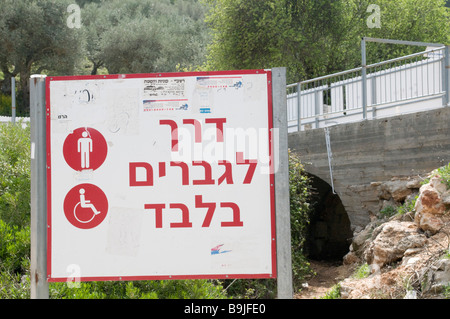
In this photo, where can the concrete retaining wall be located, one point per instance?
(375, 151)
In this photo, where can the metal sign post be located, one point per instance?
(39, 284)
(283, 223)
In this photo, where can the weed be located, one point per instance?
(333, 293)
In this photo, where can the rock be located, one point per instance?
(442, 275)
(345, 289)
(351, 258)
(360, 240)
(429, 206)
(391, 240)
(437, 277)
(446, 198)
(414, 184)
(411, 294)
(397, 189)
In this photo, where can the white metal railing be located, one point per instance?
(10, 119)
(407, 84)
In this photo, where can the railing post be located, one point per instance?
(447, 74)
(299, 105)
(364, 77)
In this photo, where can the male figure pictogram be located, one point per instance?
(85, 148)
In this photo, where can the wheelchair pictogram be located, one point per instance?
(84, 203)
(85, 206)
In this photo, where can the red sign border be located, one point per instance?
(49, 79)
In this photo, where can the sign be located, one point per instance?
(160, 176)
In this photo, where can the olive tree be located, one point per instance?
(34, 36)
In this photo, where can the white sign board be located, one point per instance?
(160, 176)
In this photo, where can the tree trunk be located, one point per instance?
(5, 85)
(23, 105)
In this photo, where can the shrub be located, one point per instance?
(407, 206)
(363, 271)
(14, 248)
(163, 289)
(15, 174)
(333, 293)
(299, 192)
(14, 261)
(444, 173)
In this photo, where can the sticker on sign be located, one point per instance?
(144, 184)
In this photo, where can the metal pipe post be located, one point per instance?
(38, 273)
(447, 74)
(283, 222)
(13, 100)
(299, 106)
(364, 78)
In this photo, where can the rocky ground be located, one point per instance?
(406, 256)
(327, 274)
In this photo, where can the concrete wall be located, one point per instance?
(375, 151)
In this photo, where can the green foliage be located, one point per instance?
(14, 286)
(362, 271)
(14, 248)
(334, 293)
(142, 36)
(316, 37)
(444, 173)
(14, 261)
(164, 289)
(446, 291)
(406, 207)
(415, 20)
(35, 37)
(388, 211)
(251, 288)
(299, 193)
(15, 174)
(446, 254)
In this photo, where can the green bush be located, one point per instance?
(162, 289)
(299, 192)
(15, 174)
(14, 261)
(14, 248)
(407, 206)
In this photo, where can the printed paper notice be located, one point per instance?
(165, 94)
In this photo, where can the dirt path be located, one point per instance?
(328, 274)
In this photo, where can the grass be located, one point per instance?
(407, 206)
(333, 293)
(363, 271)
